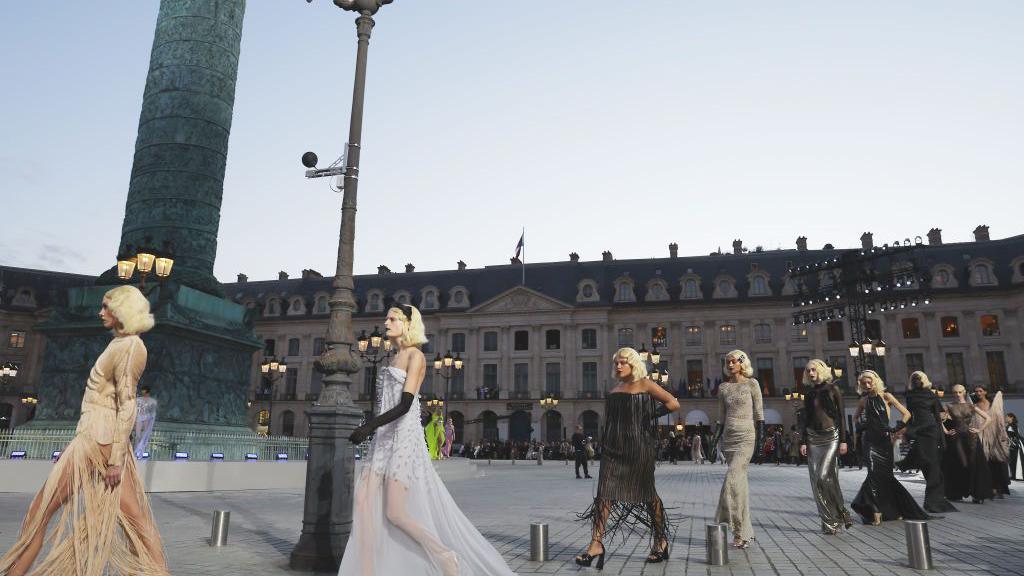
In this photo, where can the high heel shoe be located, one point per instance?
(877, 519)
(586, 558)
(657, 556)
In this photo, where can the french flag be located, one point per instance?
(519, 246)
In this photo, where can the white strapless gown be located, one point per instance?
(398, 454)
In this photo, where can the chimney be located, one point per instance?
(462, 266)
(382, 269)
(673, 250)
(981, 233)
(606, 256)
(282, 275)
(737, 246)
(867, 241)
(242, 278)
(935, 237)
(308, 273)
(574, 257)
(409, 268)
(801, 244)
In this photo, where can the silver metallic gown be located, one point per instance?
(823, 431)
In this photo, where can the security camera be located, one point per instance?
(309, 160)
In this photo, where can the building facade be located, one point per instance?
(554, 335)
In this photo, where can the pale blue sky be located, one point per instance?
(598, 125)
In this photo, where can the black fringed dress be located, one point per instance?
(626, 497)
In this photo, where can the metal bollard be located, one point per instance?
(717, 549)
(919, 549)
(538, 542)
(219, 533)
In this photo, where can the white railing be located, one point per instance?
(200, 446)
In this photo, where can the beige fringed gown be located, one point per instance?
(740, 406)
(92, 535)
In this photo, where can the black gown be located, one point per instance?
(964, 466)
(881, 491)
(625, 486)
(1016, 460)
(927, 440)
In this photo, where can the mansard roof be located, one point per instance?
(47, 287)
(559, 280)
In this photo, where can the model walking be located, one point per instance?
(741, 411)
(626, 496)
(964, 467)
(823, 439)
(696, 449)
(927, 439)
(1016, 461)
(105, 523)
(404, 520)
(881, 496)
(994, 441)
(145, 421)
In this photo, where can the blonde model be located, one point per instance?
(741, 431)
(404, 520)
(881, 496)
(105, 525)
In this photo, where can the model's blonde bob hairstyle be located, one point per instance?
(823, 369)
(875, 379)
(745, 368)
(131, 309)
(635, 362)
(923, 378)
(959, 388)
(415, 333)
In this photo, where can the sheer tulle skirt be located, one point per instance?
(90, 535)
(409, 529)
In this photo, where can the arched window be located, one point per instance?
(982, 275)
(288, 423)
(690, 289)
(273, 307)
(760, 286)
(553, 426)
(591, 423)
(321, 305)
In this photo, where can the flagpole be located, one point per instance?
(523, 261)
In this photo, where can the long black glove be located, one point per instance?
(719, 428)
(360, 434)
(759, 440)
(661, 411)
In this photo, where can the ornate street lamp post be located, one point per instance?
(327, 510)
(373, 349)
(272, 370)
(447, 367)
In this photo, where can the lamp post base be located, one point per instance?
(330, 477)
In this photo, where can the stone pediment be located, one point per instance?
(521, 299)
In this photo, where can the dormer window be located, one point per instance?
(321, 306)
(458, 297)
(624, 290)
(586, 291)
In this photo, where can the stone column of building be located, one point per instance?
(201, 348)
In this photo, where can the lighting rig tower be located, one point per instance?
(860, 284)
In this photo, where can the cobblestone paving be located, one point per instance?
(980, 539)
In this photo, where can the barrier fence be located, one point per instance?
(196, 446)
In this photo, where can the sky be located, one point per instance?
(596, 125)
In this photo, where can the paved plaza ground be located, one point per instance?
(980, 539)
